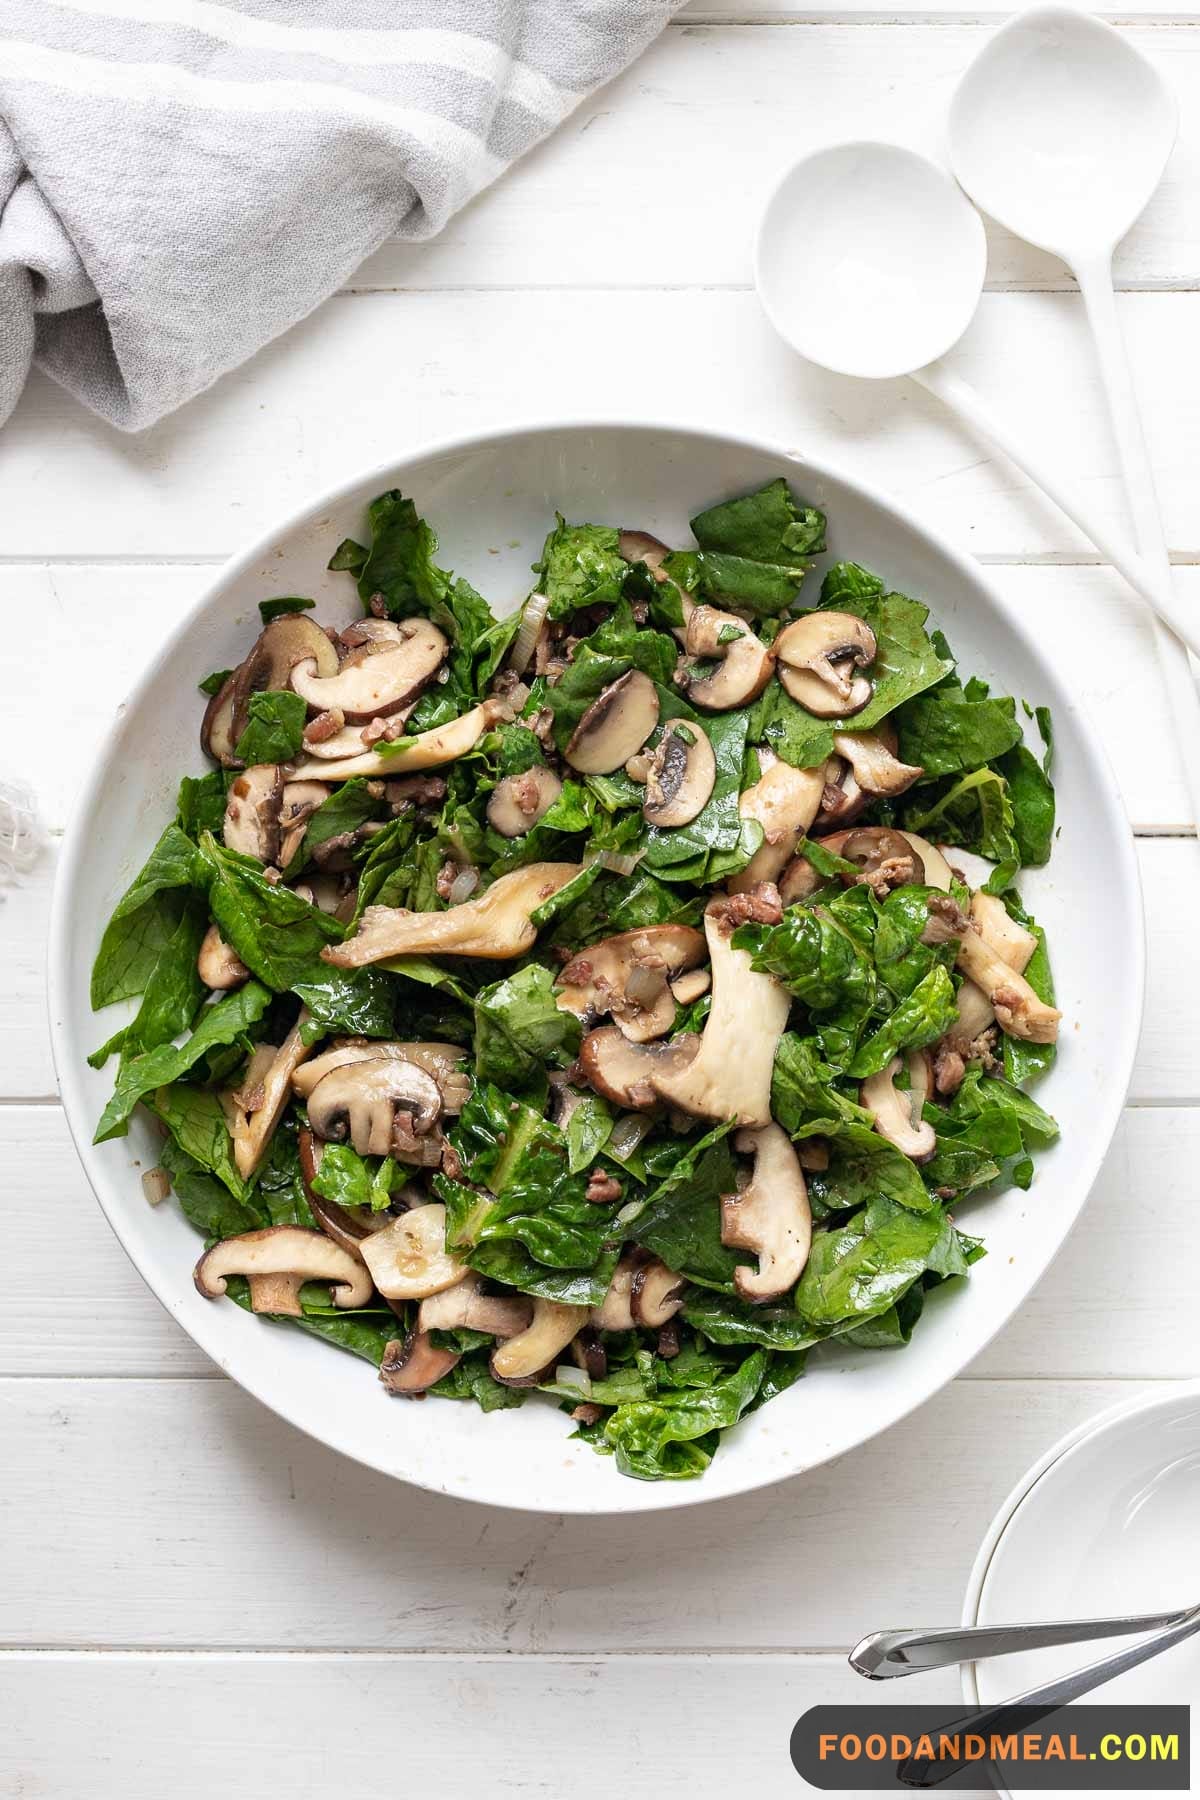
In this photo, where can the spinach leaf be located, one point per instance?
(275, 729)
(353, 1180)
(718, 827)
(921, 1018)
(816, 959)
(1023, 1061)
(353, 1002)
(675, 1436)
(206, 1202)
(510, 1263)
(222, 1023)
(286, 603)
(766, 526)
(1031, 797)
(804, 1099)
(520, 1030)
(948, 734)
(974, 811)
(588, 1129)
(172, 993)
(145, 920)
(194, 1119)
(580, 565)
(762, 589)
(277, 934)
(858, 1270)
(723, 1320)
(681, 1219)
(471, 1379)
(349, 807)
(901, 959)
(863, 1166)
(201, 803)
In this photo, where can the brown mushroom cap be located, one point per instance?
(628, 976)
(465, 1306)
(360, 1100)
(655, 1293)
(770, 1215)
(496, 925)
(625, 1072)
(615, 725)
(680, 774)
(216, 727)
(217, 965)
(521, 1360)
(290, 639)
(426, 750)
(266, 1088)
(252, 812)
(298, 803)
(394, 664)
(784, 801)
(898, 1113)
(441, 1061)
(408, 1259)
(640, 546)
(615, 1312)
(885, 858)
(819, 656)
(518, 801)
(413, 1366)
(744, 663)
(872, 756)
(282, 1258)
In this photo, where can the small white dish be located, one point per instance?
(1103, 1524)
(490, 498)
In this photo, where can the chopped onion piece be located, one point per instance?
(628, 1133)
(578, 1380)
(536, 608)
(463, 885)
(156, 1185)
(613, 862)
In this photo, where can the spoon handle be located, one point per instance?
(1100, 304)
(953, 392)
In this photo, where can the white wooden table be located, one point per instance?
(190, 1591)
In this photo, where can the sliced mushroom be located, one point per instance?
(770, 1215)
(427, 750)
(496, 925)
(290, 639)
(264, 1095)
(744, 663)
(819, 656)
(785, 802)
(413, 1366)
(842, 800)
(689, 987)
(655, 1293)
(1018, 1009)
(1012, 943)
(216, 727)
(465, 1306)
(680, 774)
(519, 801)
(625, 1072)
(408, 1259)
(936, 871)
(898, 1114)
(360, 1101)
(730, 1075)
(299, 802)
(441, 1061)
(885, 859)
(252, 812)
(628, 976)
(277, 1261)
(396, 663)
(615, 1312)
(615, 725)
(872, 756)
(217, 964)
(639, 546)
(521, 1361)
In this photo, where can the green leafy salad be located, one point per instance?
(593, 1000)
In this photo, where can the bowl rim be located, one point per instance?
(645, 1496)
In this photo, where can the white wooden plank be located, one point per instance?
(369, 377)
(132, 1727)
(236, 1531)
(759, 12)
(1166, 1069)
(107, 1323)
(659, 178)
(101, 623)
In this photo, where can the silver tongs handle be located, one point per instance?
(884, 1655)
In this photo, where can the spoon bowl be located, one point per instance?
(1061, 129)
(869, 260)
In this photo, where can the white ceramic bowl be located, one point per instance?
(491, 499)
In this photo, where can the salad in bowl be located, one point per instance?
(614, 1001)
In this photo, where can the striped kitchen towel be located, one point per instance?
(181, 180)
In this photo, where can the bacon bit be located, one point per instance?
(384, 730)
(446, 876)
(451, 1162)
(762, 904)
(948, 1069)
(947, 920)
(587, 1413)
(414, 790)
(324, 726)
(668, 1340)
(602, 1188)
(378, 606)
(272, 876)
(577, 972)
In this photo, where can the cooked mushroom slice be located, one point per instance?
(252, 812)
(679, 773)
(639, 546)
(615, 725)
(615, 1312)
(744, 663)
(841, 800)
(730, 1076)
(885, 859)
(519, 801)
(689, 987)
(216, 727)
(655, 1293)
(628, 976)
(872, 756)
(1012, 943)
(495, 925)
(784, 801)
(819, 656)
(277, 1261)
(441, 1061)
(770, 1215)
(413, 1366)
(217, 965)
(360, 1101)
(290, 639)
(521, 1361)
(465, 1306)
(936, 871)
(1018, 1009)
(799, 881)
(390, 669)
(625, 1072)
(299, 802)
(408, 1259)
(265, 1091)
(427, 750)
(898, 1114)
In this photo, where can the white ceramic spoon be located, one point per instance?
(1061, 129)
(870, 262)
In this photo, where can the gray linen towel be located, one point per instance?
(181, 180)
